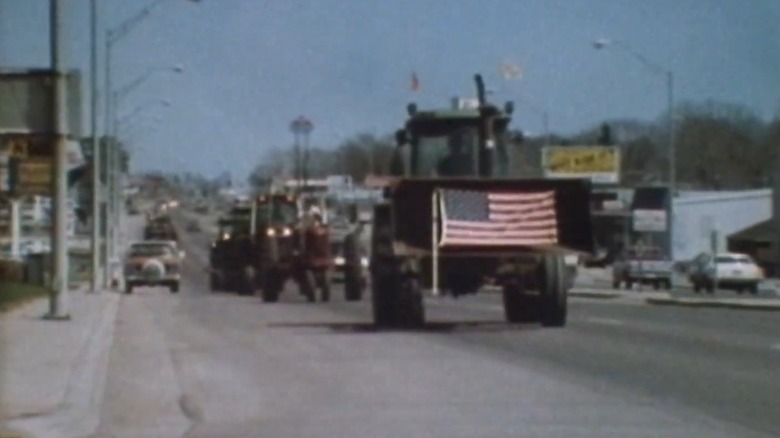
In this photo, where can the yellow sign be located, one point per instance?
(598, 163)
(35, 176)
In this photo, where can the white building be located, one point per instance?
(698, 214)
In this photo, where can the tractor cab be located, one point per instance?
(466, 141)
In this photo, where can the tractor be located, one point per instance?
(455, 221)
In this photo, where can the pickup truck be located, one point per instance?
(643, 266)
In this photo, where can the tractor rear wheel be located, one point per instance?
(553, 293)
(272, 285)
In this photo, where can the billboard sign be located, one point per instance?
(600, 164)
(26, 101)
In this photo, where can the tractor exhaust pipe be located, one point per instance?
(480, 89)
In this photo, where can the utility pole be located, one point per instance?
(58, 302)
(97, 191)
(109, 148)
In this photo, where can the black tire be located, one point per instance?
(306, 285)
(518, 307)
(323, 284)
(553, 293)
(615, 284)
(382, 297)
(629, 284)
(696, 287)
(753, 289)
(247, 282)
(668, 284)
(710, 287)
(410, 307)
(353, 286)
(214, 282)
(272, 285)
(174, 288)
(128, 288)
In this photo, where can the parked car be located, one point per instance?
(732, 271)
(643, 266)
(153, 263)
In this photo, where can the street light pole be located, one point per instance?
(109, 165)
(672, 149)
(96, 189)
(301, 127)
(58, 299)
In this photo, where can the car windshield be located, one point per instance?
(150, 250)
(731, 259)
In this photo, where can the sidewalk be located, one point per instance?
(53, 373)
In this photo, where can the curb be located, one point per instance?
(692, 302)
(594, 294)
(78, 413)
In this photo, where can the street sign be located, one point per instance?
(649, 220)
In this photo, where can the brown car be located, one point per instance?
(153, 263)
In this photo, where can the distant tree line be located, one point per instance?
(718, 146)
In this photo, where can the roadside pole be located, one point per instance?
(109, 147)
(97, 192)
(16, 227)
(58, 302)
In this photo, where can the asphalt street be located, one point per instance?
(204, 364)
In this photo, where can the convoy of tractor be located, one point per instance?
(452, 220)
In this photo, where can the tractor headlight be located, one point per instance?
(270, 232)
(339, 261)
(286, 232)
(225, 236)
(364, 262)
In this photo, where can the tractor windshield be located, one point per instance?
(446, 153)
(277, 212)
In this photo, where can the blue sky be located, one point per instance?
(251, 66)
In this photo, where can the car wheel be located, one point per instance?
(174, 288)
(128, 288)
(754, 289)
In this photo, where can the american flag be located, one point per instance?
(415, 85)
(472, 218)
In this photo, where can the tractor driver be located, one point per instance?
(458, 161)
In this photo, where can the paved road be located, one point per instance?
(222, 365)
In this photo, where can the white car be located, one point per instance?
(729, 270)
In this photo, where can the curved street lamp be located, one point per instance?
(163, 102)
(604, 43)
(113, 36)
(123, 91)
